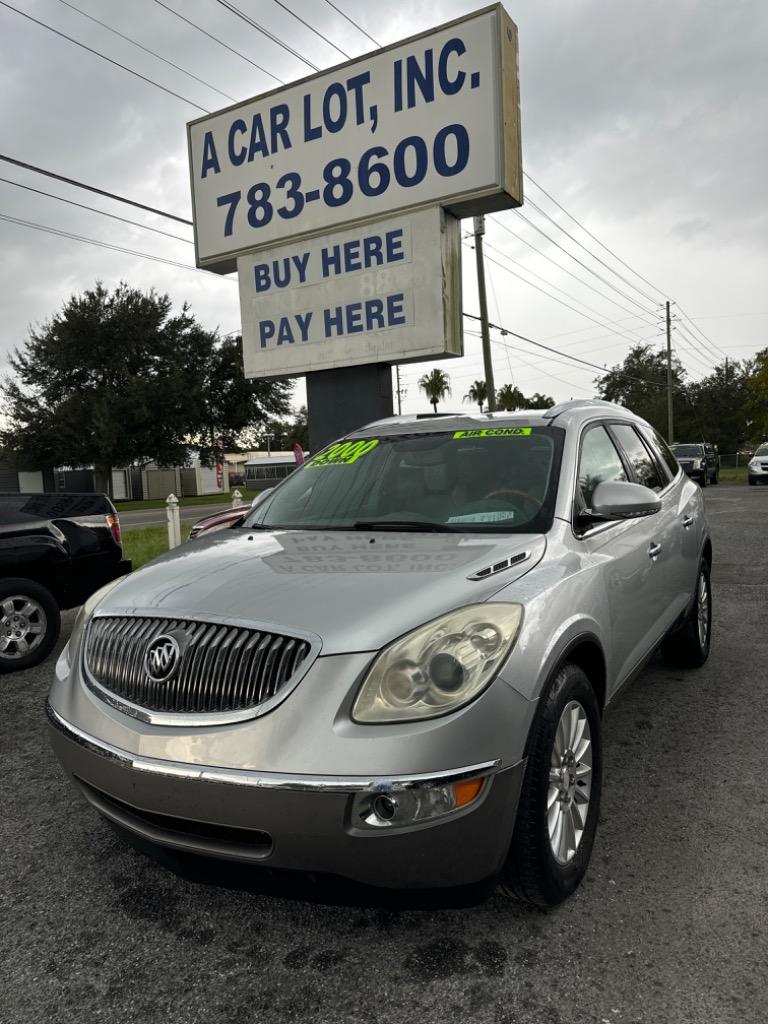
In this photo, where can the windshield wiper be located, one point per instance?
(401, 524)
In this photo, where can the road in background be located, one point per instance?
(669, 926)
(158, 517)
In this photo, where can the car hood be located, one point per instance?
(356, 591)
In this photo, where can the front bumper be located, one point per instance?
(294, 822)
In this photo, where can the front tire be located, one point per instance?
(688, 645)
(29, 624)
(560, 796)
(752, 481)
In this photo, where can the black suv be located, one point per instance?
(55, 551)
(700, 461)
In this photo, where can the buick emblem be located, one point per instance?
(162, 658)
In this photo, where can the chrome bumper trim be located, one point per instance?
(264, 780)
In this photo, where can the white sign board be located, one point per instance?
(389, 291)
(431, 120)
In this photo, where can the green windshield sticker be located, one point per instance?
(343, 453)
(494, 432)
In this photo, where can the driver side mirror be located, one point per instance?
(618, 499)
(261, 496)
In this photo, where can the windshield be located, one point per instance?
(688, 451)
(488, 480)
(762, 450)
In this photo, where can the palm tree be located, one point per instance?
(435, 385)
(478, 392)
(509, 398)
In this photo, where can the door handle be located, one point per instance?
(654, 551)
(687, 522)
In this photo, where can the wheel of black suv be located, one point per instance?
(752, 481)
(560, 797)
(29, 624)
(688, 645)
(704, 481)
(716, 477)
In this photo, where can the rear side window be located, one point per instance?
(599, 461)
(663, 451)
(639, 457)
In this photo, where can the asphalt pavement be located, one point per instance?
(671, 924)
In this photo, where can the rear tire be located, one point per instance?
(703, 480)
(29, 624)
(688, 645)
(716, 478)
(752, 481)
(549, 854)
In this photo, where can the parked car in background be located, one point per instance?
(701, 461)
(55, 551)
(226, 519)
(396, 669)
(757, 467)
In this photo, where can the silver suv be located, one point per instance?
(395, 670)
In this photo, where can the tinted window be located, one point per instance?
(688, 451)
(639, 456)
(663, 451)
(762, 450)
(500, 479)
(599, 462)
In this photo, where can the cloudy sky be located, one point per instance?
(646, 120)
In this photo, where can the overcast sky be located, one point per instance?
(647, 120)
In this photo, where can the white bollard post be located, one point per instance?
(237, 499)
(174, 523)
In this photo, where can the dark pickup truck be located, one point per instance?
(55, 551)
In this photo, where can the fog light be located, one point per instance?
(413, 804)
(385, 807)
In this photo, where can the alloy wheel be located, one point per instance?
(570, 782)
(702, 602)
(23, 624)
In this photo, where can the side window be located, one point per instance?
(663, 451)
(640, 458)
(599, 461)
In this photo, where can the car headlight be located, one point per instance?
(87, 609)
(697, 463)
(754, 464)
(440, 666)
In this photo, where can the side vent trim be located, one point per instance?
(506, 563)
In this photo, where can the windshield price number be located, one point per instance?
(410, 163)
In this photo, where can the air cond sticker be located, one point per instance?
(494, 432)
(344, 453)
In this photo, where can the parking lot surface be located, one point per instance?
(669, 926)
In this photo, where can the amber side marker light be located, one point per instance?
(465, 792)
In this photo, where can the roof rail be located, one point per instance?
(579, 403)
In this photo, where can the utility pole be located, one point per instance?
(487, 362)
(399, 402)
(670, 417)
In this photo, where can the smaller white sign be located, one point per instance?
(389, 291)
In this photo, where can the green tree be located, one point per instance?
(539, 401)
(477, 393)
(115, 378)
(757, 398)
(509, 398)
(436, 385)
(639, 383)
(719, 406)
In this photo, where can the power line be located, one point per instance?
(106, 245)
(265, 32)
(216, 39)
(593, 237)
(92, 188)
(699, 330)
(94, 209)
(313, 29)
(570, 273)
(103, 56)
(581, 263)
(576, 359)
(594, 256)
(352, 21)
(557, 287)
(146, 49)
